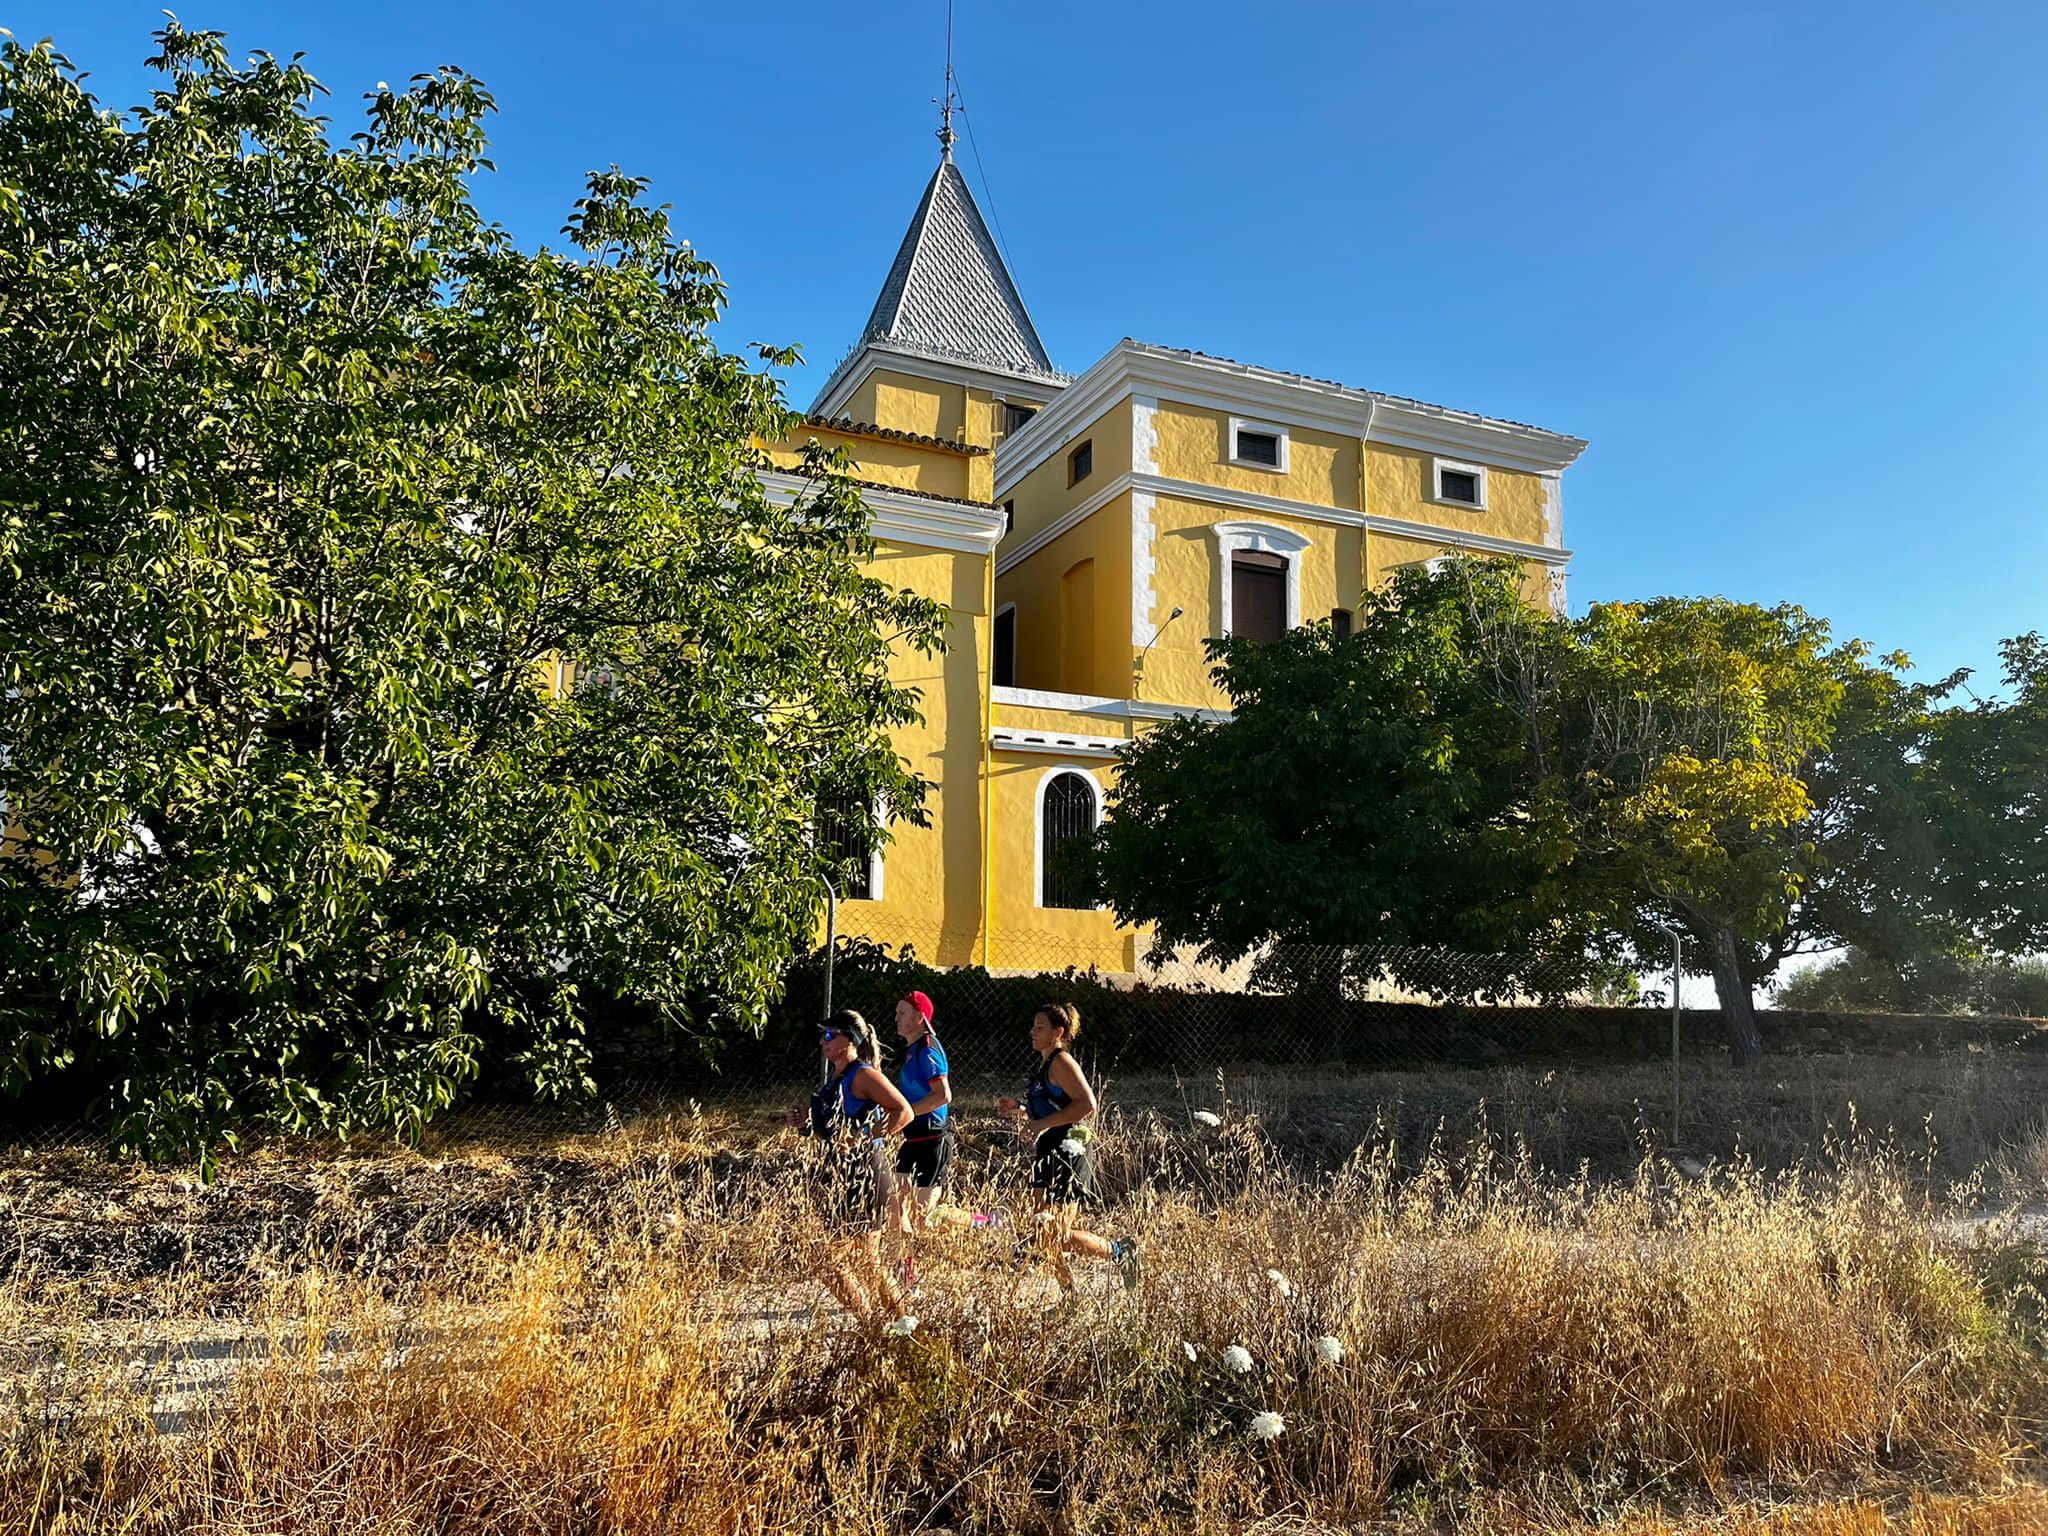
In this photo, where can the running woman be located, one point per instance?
(927, 1152)
(1054, 1124)
(852, 1117)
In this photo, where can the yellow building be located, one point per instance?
(1088, 533)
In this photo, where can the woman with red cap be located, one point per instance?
(926, 1155)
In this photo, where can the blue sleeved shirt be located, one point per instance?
(921, 1063)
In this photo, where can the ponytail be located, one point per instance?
(1065, 1015)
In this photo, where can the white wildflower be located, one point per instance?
(1280, 1283)
(1238, 1358)
(1073, 1146)
(1268, 1425)
(382, 86)
(1203, 1117)
(1189, 1350)
(1330, 1349)
(903, 1327)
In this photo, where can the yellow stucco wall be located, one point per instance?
(885, 461)
(1026, 936)
(1188, 573)
(931, 875)
(1398, 484)
(1044, 496)
(1035, 587)
(1193, 443)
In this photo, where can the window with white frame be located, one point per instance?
(1258, 595)
(1258, 444)
(1281, 544)
(1069, 810)
(1459, 485)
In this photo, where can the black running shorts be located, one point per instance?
(926, 1160)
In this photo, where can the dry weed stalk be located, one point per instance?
(661, 1359)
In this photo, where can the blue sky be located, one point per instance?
(1782, 264)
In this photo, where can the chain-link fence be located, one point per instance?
(1313, 1015)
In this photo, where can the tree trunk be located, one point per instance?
(1738, 1004)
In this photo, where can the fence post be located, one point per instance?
(1677, 965)
(831, 941)
(1677, 960)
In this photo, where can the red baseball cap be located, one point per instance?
(922, 1004)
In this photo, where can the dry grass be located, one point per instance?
(647, 1350)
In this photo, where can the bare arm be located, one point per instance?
(1066, 1074)
(877, 1089)
(940, 1096)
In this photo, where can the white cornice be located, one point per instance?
(874, 355)
(1436, 429)
(1010, 739)
(1095, 704)
(906, 517)
(1215, 383)
(1303, 511)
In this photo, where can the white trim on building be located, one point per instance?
(1265, 539)
(1239, 425)
(1437, 468)
(1038, 828)
(966, 526)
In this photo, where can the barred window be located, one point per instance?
(846, 837)
(1066, 823)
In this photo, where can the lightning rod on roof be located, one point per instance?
(946, 134)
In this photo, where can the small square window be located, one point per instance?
(1340, 623)
(1081, 463)
(1261, 444)
(1258, 447)
(1460, 485)
(1014, 416)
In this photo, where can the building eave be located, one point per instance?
(855, 367)
(1133, 368)
(908, 517)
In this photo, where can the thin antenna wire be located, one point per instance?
(986, 195)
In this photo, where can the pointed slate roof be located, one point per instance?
(949, 294)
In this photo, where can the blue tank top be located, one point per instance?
(1045, 1097)
(836, 1105)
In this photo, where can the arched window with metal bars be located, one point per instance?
(1067, 813)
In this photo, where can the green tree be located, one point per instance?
(1370, 791)
(1467, 772)
(1685, 731)
(400, 651)
(1988, 766)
